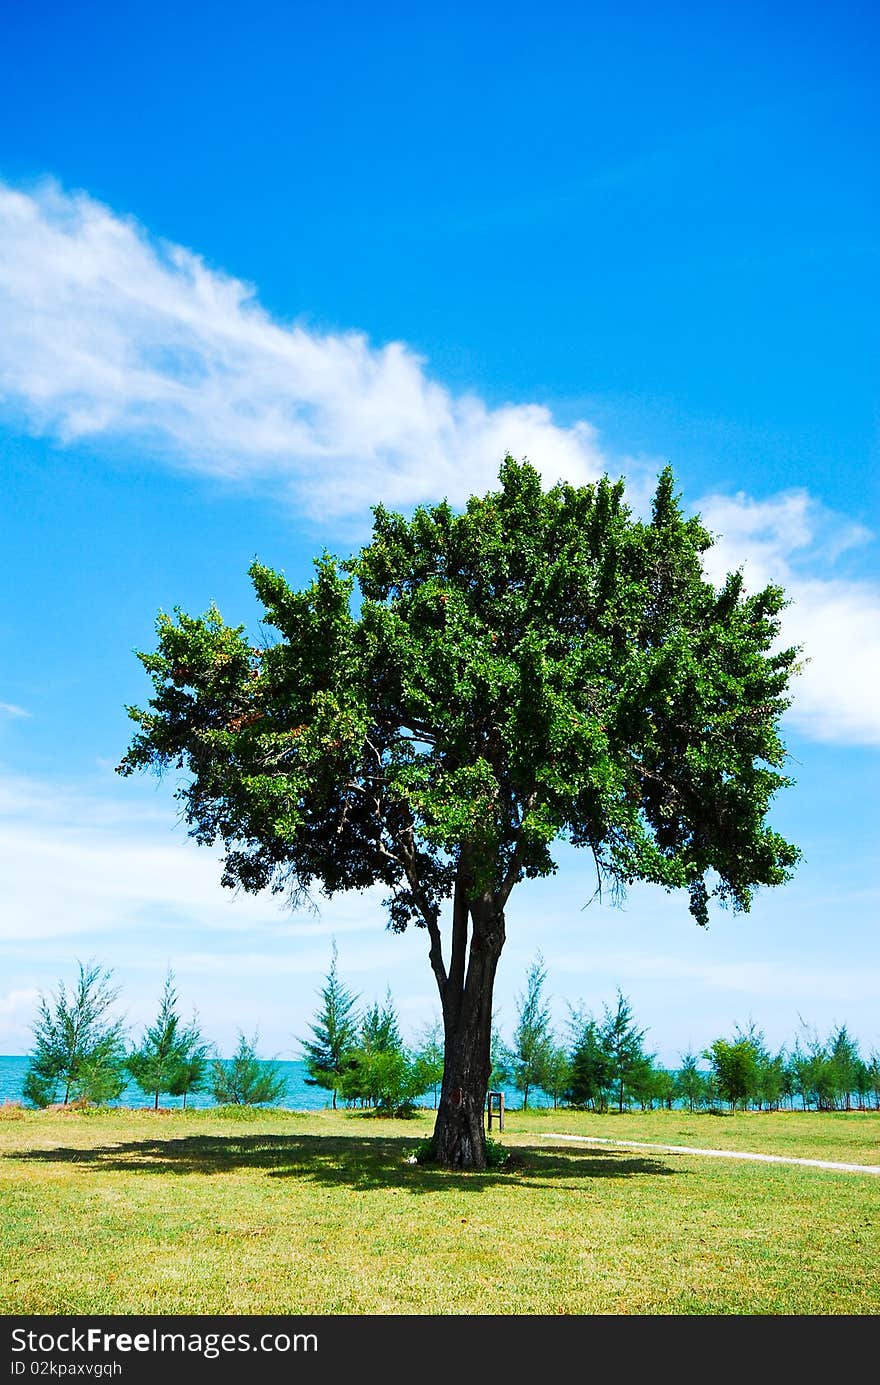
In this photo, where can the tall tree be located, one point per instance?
(622, 1041)
(541, 666)
(532, 1041)
(157, 1061)
(381, 1072)
(334, 1032)
(788, 1083)
(79, 1047)
(843, 1051)
(589, 1062)
(804, 1061)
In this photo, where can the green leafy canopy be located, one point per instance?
(541, 666)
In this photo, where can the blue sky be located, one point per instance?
(259, 271)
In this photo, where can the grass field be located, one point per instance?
(124, 1212)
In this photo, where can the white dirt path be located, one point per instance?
(715, 1153)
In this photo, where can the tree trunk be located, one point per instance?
(459, 1140)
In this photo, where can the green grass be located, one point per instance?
(276, 1212)
(849, 1137)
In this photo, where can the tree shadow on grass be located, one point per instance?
(361, 1164)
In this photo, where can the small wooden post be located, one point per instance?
(495, 1106)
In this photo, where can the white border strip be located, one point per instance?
(714, 1153)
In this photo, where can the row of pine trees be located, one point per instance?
(602, 1064)
(80, 1053)
(359, 1057)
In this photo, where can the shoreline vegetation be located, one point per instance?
(359, 1058)
(269, 1210)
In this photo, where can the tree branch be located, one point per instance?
(510, 875)
(458, 951)
(406, 859)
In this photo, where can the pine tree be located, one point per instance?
(557, 1073)
(499, 1060)
(845, 1058)
(246, 1080)
(429, 1055)
(690, 1083)
(622, 1041)
(381, 1072)
(157, 1063)
(369, 1071)
(334, 1033)
(380, 1028)
(591, 1070)
(532, 1040)
(192, 1073)
(79, 1050)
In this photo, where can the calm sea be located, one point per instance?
(299, 1095)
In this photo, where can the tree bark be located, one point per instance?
(459, 1140)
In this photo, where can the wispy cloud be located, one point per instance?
(105, 866)
(107, 331)
(87, 873)
(752, 979)
(9, 709)
(83, 873)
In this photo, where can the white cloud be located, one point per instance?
(836, 621)
(105, 867)
(838, 624)
(9, 709)
(83, 873)
(89, 874)
(754, 980)
(108, 332)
